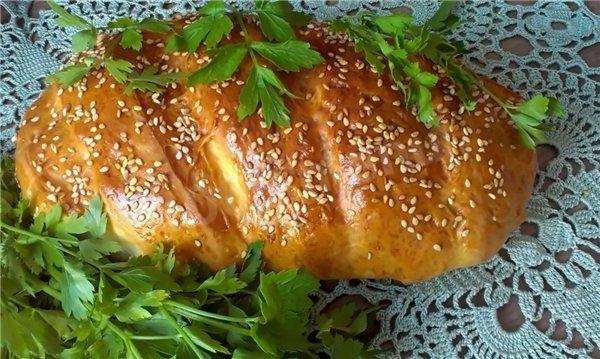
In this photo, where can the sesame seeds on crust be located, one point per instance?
(180, 159)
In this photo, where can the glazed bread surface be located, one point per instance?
(355, 187)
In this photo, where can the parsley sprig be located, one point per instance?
(528, 116)
(392, 41)
(128, 36)
(283, 51)
(263, 86)
(83, 39)
(385, 41)
(67, 292)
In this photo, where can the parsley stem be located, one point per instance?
(214, 323)
(126, 339)
(209, 314)
(51, 291)
(247, 39)
(154, 337)
(65, 250)
(18, 302)
(32, 234)
(494, 97)
(182, 332)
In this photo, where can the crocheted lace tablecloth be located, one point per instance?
(540, 296)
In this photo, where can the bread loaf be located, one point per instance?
(356, 187)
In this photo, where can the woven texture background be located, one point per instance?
(540, 296)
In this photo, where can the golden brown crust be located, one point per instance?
(355, 188)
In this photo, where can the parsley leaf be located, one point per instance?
(18, 337)
(273, 108)
(248, 96)
(264, 86)
(118, 69)
(291, 55)
(131, 36)
(252, 262)
(142, 277)
(225, 62)
(273, 24)
(384, 36)
(93, 249)
(76, 290)
(131, 39)
(285, 306)
(210, 28)
(528, 117)
(393, 38)
(84, 39)
(154, 25)
(69, 75)
(66, 19)
(343, 348)
(151, 80)
(121, 23)
(393, 24)
(68, 227)
(443, 19)
(203, 340)
(94, 218)
(284, 10)
(132, 308)
(223, 282)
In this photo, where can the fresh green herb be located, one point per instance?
(291, 55)
(121, 70)
(392, 41)
(214, 23)
(443, 20)
(151, 80)
(131, 37)
(263, 86)
(225, 62)
(527, 116)
(274, 20)
(385, 37)
(82, 40)
(345, 319)
(66, 293)
(70, 75)
(209, 28)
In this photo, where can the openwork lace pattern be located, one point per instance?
(540, 296)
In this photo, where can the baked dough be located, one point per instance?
(356, 187)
